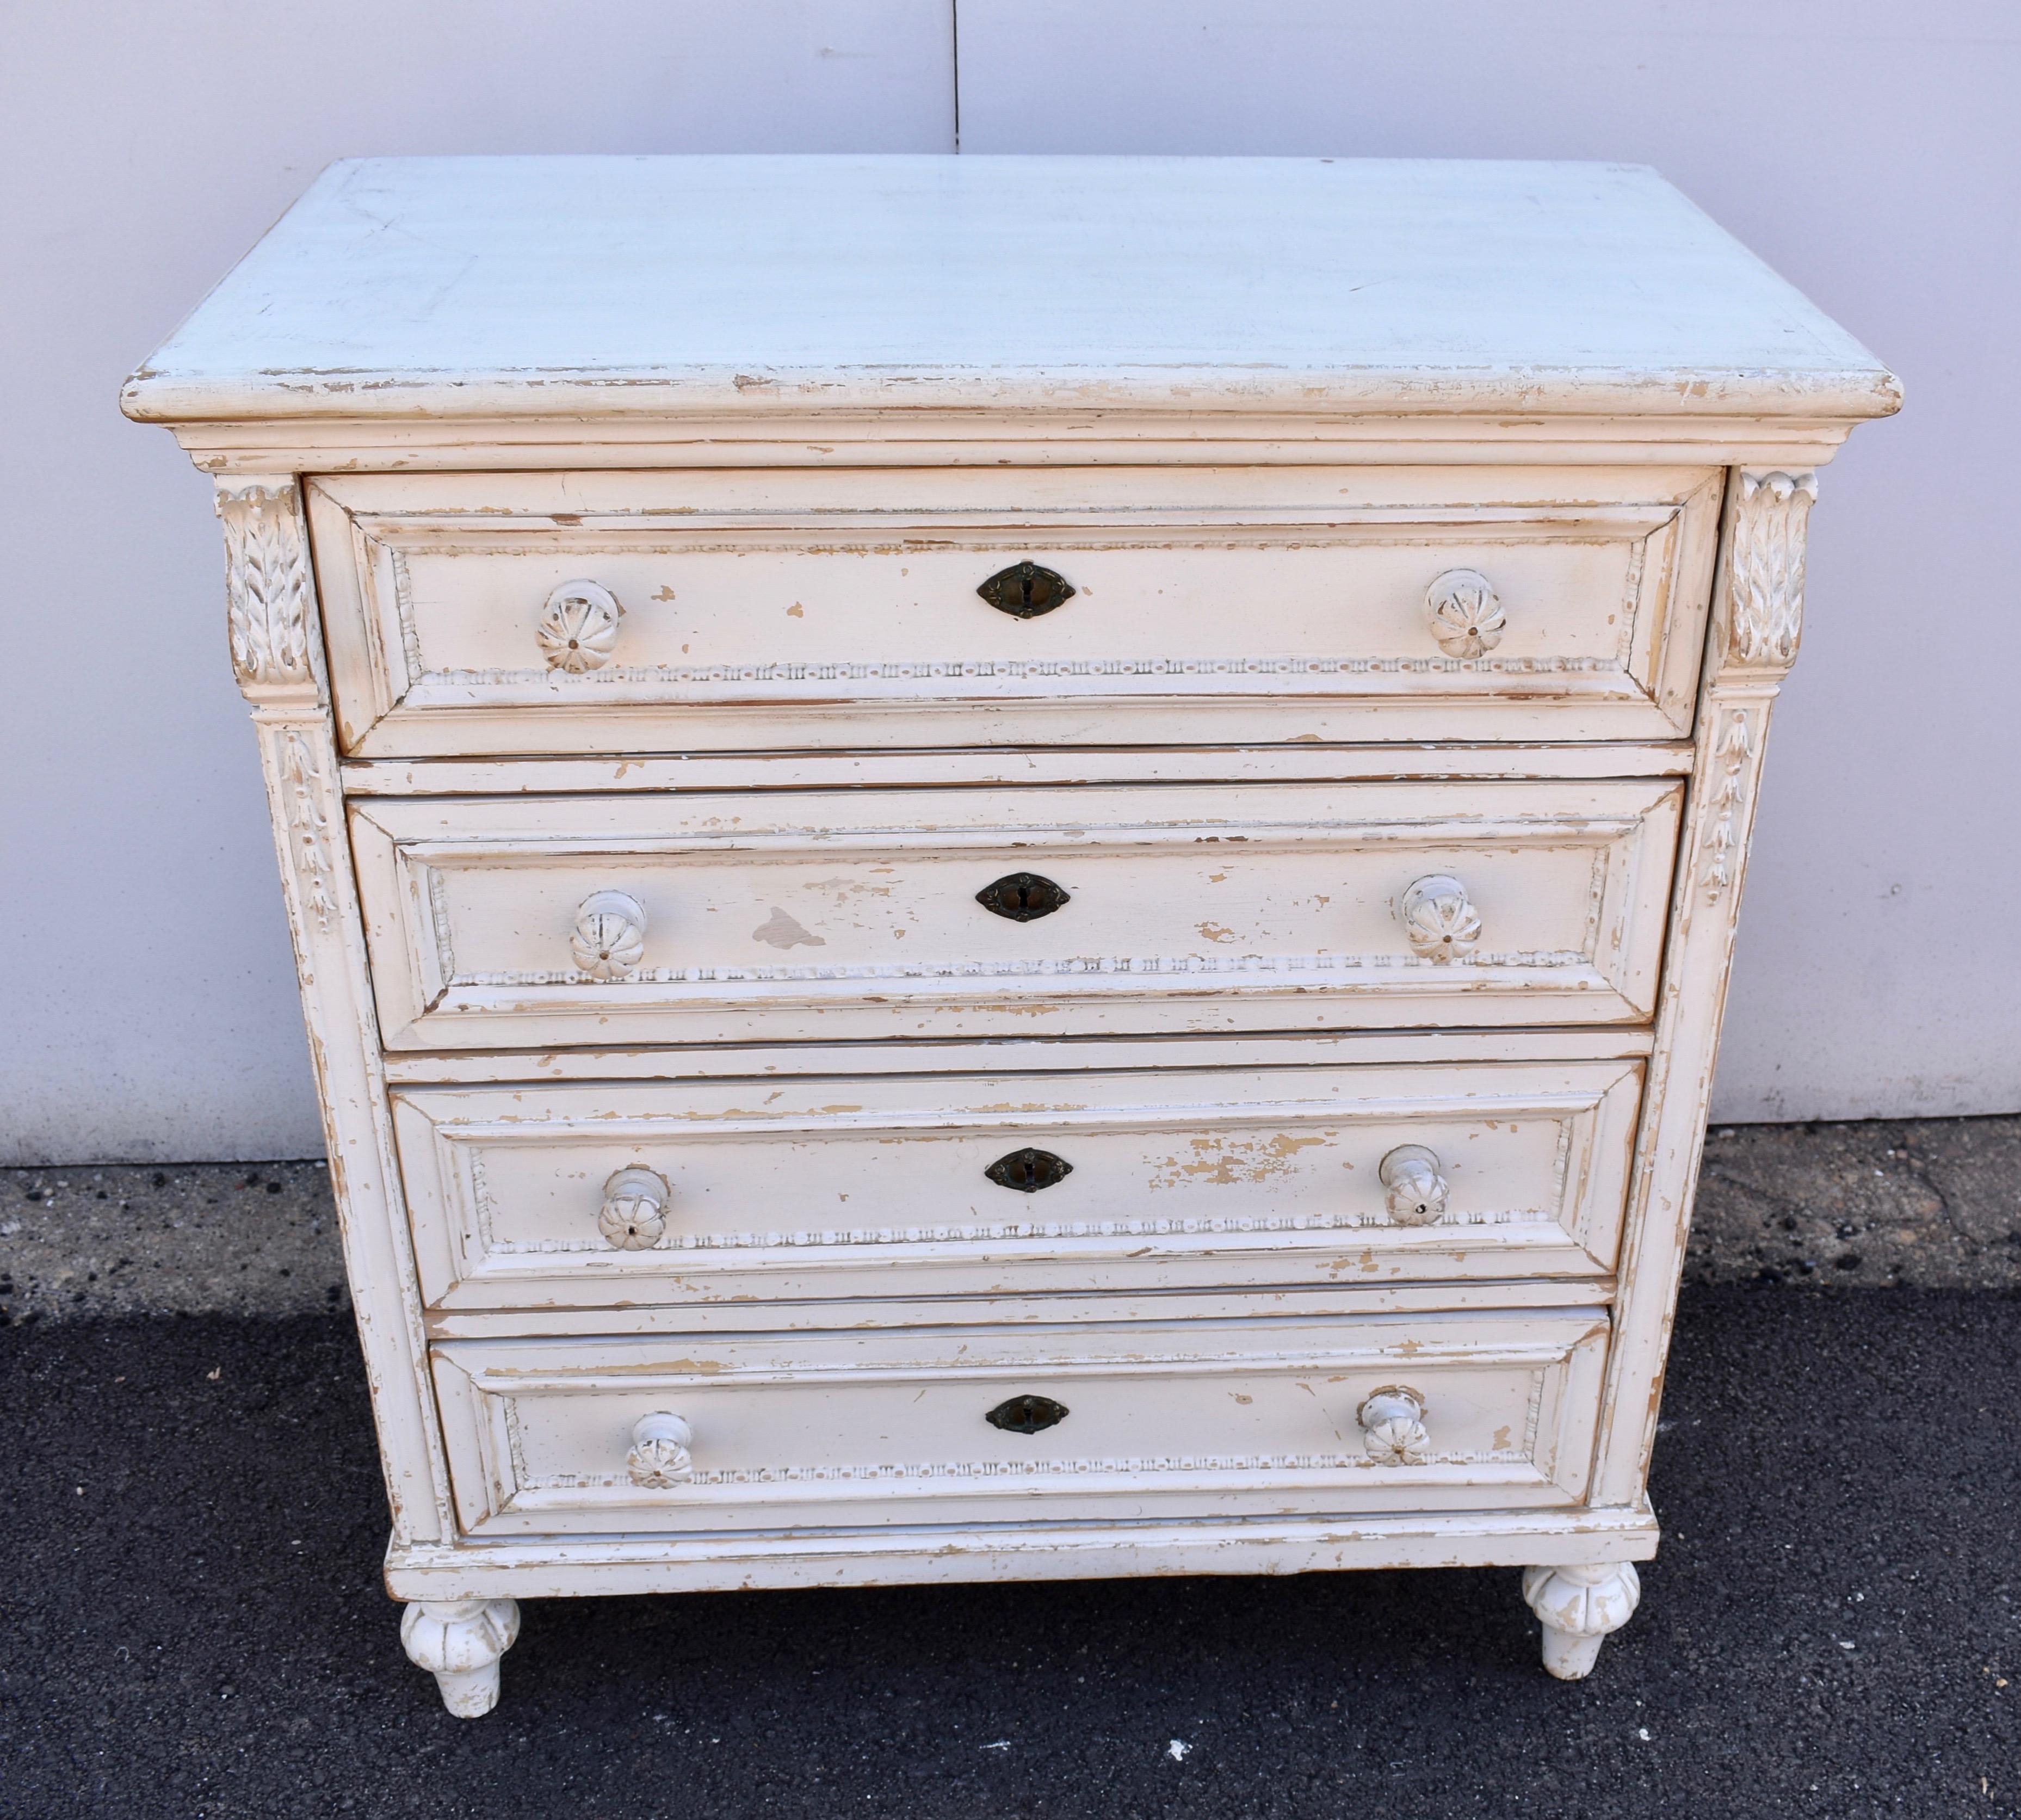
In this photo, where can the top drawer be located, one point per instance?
(690, 610)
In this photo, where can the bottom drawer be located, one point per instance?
(1248, 1417)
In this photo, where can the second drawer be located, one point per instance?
(508, 923)
(598, 1195)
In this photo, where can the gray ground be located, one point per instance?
(189, 1627)
(1932, 1203)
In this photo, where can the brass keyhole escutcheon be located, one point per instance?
(1026, 1415)
(1029, 1170)
(1027, 590)
(1024, 897)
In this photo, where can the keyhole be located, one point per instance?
(1029, 1170)
(1026, 590)
(1022, 896)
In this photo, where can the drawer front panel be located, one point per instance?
(1160, 1420)
(740, 611)
(531, 1197)
(597, 920)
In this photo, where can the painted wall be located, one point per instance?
(1869, 150)
(147, 990)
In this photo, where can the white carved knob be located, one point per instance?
(1439, 918)
(1393, 1422)
(1467, 618)
(1417, 1191)
(659, 1459)
(634, 1215)
(578, 628)
(609, 939)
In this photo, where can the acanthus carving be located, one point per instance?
(1721, 847)
(308, 828)
(1770, 521)
(266, 585)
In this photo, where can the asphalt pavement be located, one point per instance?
(1933, 1202)
(190, 1625)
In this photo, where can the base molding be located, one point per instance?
(613, 1567)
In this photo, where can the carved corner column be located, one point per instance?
(276, 645)
(1756, 622)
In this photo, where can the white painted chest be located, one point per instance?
(1009, 867)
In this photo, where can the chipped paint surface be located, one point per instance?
(1306, 932)
(799, 1309)
(880, 1426)
(780, 1191)
(1222, 1160)
(780, 931)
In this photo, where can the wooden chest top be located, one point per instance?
(475, 286)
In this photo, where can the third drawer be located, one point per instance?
(592, 1195)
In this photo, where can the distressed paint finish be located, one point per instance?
(1578, 1605)
(849, 1187)
(1757, 615)
(814, 608)
(277, 653)
(459, 1642)
(795, 917)
(399, 289)
(554, 1567)
(637, 744)
(1197, 1418)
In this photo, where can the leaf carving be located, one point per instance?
(308, 828)
(266, 585)
(1771, 522)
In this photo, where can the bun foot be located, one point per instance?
(459, 1642)
(1577, 1608)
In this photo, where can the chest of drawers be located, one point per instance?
(1009, 868)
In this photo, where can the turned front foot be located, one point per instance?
(1578, 1606)
(459, 1642)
